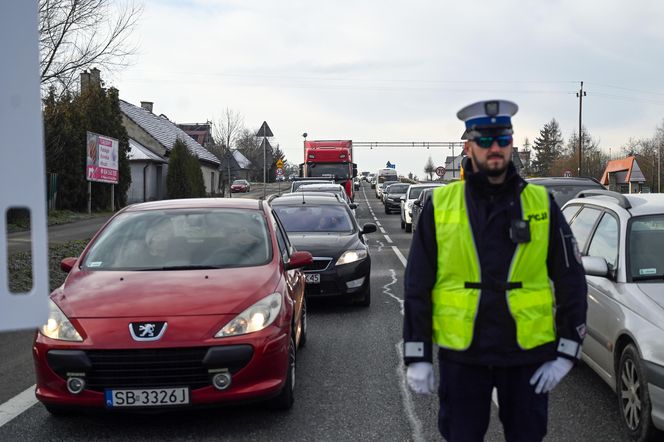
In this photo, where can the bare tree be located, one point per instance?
(429, 168)
(76, 34)
(227, 129)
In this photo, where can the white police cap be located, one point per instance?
(489, 117)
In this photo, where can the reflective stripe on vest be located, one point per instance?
(456, 295)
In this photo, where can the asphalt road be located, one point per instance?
(350, 380)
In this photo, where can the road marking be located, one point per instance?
(388, 239)
(378, 223)
(382, 230)
(407, 398)
(388, 291)
(400, 255)
(380, 245)
(17, 405)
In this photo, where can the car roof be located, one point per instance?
(308, 198)
(641, 203)
(427, 185)
(197, 203)
(561, 180)
(330, 186)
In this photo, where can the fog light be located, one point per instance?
(355, 283)
(75, 385)
(221, 381)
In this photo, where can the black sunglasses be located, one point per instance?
(486, 142)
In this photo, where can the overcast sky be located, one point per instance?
(382, 70)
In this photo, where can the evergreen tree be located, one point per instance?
(548, 148)
(178, 184)
(67, 120)
(593, 160)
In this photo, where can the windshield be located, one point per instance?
(181, 239)
(414, 192)
(646, 248)
(565, 192)
(339, 171)
(239, 182)
(397, 188)
(307, 218)
(387, 178)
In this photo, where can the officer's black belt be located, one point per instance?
(495, 286)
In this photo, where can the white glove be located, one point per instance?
(419, 376)
(550, 373)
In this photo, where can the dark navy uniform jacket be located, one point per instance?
(491, 209)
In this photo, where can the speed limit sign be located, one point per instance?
(440, 171)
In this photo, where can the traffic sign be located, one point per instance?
(280, 163)
(567, 173)
(264, 131)
(440, 171)
(280, 171)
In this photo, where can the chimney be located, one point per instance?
(147, 105)
(85, 80)
(95, 78)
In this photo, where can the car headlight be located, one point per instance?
(58, 325)
(253, 319)
(351, 256)
(409, 205)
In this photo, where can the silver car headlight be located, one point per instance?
(58, 325)
(351, 256)
(255, 318)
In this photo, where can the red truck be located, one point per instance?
(330, 159)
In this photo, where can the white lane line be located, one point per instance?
(494, 397)
(399, 255)
(17, 405)
(378, 223)
(382, 230)
(407, 398)
(389, 240)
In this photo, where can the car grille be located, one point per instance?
(318, 265)
(162, 367)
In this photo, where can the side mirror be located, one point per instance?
(352, 206)
(299, 260)
(595, 266)
(67, 264)
(368, 228)
(417, 203)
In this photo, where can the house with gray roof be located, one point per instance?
(156, 134)
(147, 169)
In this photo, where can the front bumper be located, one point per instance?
(335, 280)
(392, 205)
(257, 364)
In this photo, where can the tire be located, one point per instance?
(409, 227)
(303, 321)
(633, 397)
(365, 300)
(284, 401)
(387, 210)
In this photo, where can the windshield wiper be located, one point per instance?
(647, 277)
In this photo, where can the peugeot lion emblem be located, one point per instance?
(147, 331)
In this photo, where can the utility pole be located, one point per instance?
(580, 94)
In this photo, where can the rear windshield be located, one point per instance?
(565, 192)
(397, 188)
(309, 218)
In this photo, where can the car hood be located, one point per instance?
(654, 291)
(114, 294)
(331, 244)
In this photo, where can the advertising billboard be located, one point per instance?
(102, 159)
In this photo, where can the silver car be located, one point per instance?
(621, 240)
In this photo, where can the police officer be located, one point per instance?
(494, 279)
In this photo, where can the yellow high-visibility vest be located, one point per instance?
(456, 293)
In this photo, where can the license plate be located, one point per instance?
(312, 278)
(153, 397)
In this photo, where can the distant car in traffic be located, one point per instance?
(392, 196)
(240, 186)
(621, 240)
(418, 205)
(412, 194)
(564, 189)
(176, 303)
(325, 227)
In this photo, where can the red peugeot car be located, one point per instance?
(173, 304)
(240, 186)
